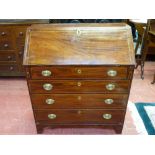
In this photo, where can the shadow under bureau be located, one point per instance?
(79, 75)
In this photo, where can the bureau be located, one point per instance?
(79, 75)
(12, 40)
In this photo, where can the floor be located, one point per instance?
(16, 111)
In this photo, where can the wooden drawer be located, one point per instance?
(6, 45)
(79, 86)
(5, 33)
(7, 56)
(75, 101)
(104, 72)
(80, 116)
(8, 68)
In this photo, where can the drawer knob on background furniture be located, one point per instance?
(21, 33)
(108, 101)
(6, 45)
(3, 33)
(9, 57)
(52, 116)
(79, 71)
(20, 53)
(49, 101)
(11, 68)
(47, 86)
(112, 73)
(46, 73)
(110, 86)
(107, 116)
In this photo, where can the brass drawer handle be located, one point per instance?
(107, 116)
(52, 116)
(79, 71)
(112, 73)
(46, 73)
(50, 101)
(110, 86)
(48, 86)
(109, 101)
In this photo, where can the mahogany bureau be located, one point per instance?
(79, 75)
(12, 40)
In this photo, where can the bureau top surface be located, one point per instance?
(79, 44)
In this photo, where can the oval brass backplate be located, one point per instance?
(112, 73)
(107, 116)
(108, 101)
(50, 101)
(110, 86)
(46, 73)
(52, 116)
(47, 86)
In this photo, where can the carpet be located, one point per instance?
(143, 115)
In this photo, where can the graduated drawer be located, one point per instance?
(6, 45)
(75, 101)
(7, 56)
(8, 68)
(80, 116)
(68, 72)
(79, 86)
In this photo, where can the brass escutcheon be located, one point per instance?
(78, 32)
(79, 71)
(79, 111)
(79, 84)
(79, 98)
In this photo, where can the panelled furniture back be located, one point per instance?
(79, 75)
(12, 40)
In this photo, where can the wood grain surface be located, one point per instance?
(74, 44)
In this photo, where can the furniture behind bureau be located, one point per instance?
(12, 40)
(79, 75)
